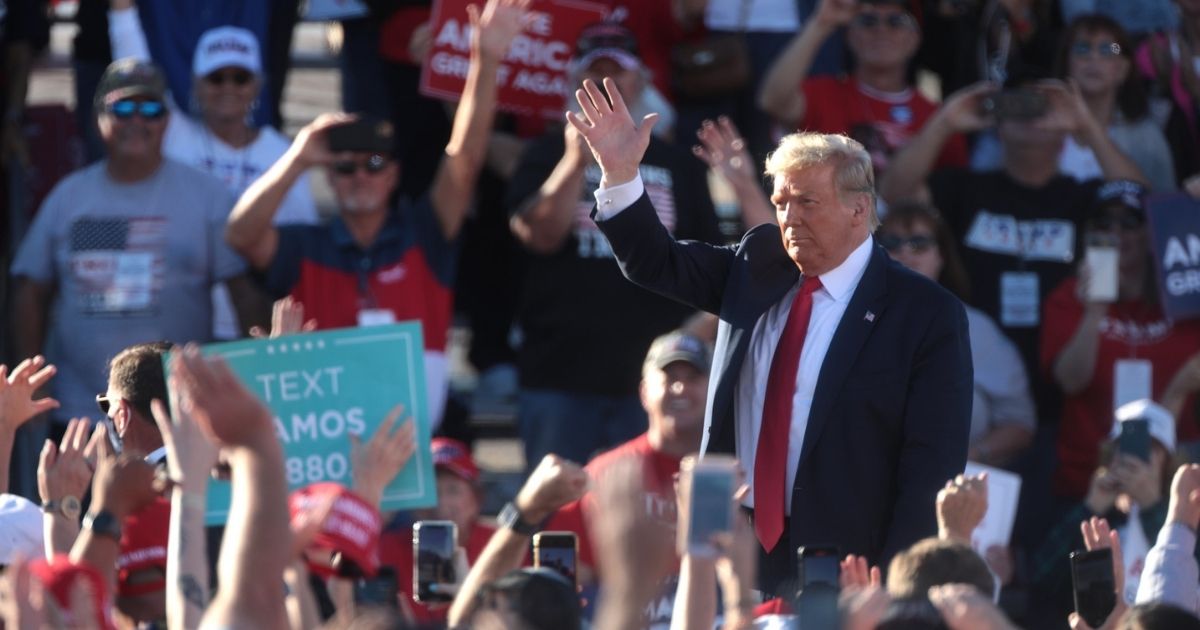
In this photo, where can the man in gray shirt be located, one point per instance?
(122, 252)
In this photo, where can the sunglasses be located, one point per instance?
(236, 77)
(104, 403)
(1128, 222)
(918, 244)
(372, 165)
(1106, 50)
(892, 20)
(125, 109)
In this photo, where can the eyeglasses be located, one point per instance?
(104, 403)
(918, 244)
(1106, 50)
(892, 20)
(125, 109)
(1128, 222)
(372, 165)
(235, 76)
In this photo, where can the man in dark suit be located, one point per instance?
(841, 380)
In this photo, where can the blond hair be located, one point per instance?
(852, 171)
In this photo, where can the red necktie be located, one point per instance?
(770, 459)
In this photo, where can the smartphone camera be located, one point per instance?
(433, 553)
(1019, 104)
(709, 485)
(377, 591)
(1094, 586)
(559, 552)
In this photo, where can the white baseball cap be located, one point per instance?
(226, 46)
(1159, 421)
(20, 529)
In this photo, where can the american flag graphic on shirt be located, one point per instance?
(660, 188)
(117, 263)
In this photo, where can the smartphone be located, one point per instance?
(356, 135)
(1092, 578)
(377, 591)
(819, 564)
(433, 559)
(709, 485)
(559, 552)
(1134, 439)
(1015, 104)
(1102, 270)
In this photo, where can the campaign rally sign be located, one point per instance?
(1175, 227)
(323, 386)
(532, 79)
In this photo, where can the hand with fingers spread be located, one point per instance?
(863, 608)
(961, 506)
(191, 455)
(493, 29)
(856, 573)
(226, 411)
(17, 391)
(375, 464)
(724, 150)
(617, 143)
(66, 470)
(287, 318)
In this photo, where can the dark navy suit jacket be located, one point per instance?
(892, 410)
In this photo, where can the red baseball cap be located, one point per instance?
(454, 456)
(352, 528)
(144, 546)
(59, 576)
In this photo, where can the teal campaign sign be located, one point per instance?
(324, 386)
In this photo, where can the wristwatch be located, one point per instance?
(67, 506)
(511, 518)
(103, 523)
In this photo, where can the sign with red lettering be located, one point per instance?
(532, 80)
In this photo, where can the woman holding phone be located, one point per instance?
(1102, 351)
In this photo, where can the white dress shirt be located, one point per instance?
(829, 304)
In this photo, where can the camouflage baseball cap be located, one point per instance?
(130, 77)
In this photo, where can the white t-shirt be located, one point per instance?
(188, 141)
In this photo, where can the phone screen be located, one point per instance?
(819, 565)
(556, 551)
(433, 553)
(1135, 439)
(711, 506)
(377, 591)
(1092, 577)
(1102, 271)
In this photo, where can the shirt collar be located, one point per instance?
(840, 281)
(390, 230)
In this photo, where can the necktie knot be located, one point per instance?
(810, 285)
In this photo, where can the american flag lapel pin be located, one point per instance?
(870, 317)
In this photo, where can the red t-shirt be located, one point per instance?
(883, 122)
(660, 488)
(1129, 330)
(396, 551)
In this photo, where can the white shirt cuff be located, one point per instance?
(611, 201)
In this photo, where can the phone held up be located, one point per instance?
(434, 543)
(708, 485)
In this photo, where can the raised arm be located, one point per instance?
(544, 220)
(257, 542)
(491, 33)
(781, 95)
(907, 171)
(723, 149)
(553, 484)
(63, 476)
(251, 230)
(125, 31)
(1171, 574)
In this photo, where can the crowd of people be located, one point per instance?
(938, 170)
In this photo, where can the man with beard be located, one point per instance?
(375, 263)
(584, 327)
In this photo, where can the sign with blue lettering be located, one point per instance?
(1175, 228)
(324, 386)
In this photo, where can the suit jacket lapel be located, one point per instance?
(848, 339)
